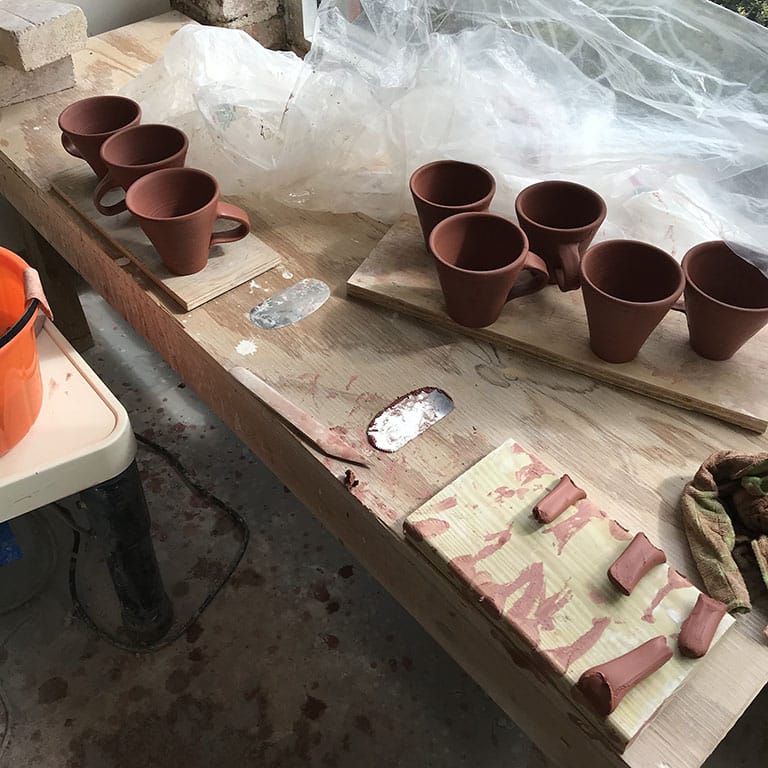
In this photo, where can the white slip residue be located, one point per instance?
(253, 286)
(286, 274)
(408, 418)
(246, 347)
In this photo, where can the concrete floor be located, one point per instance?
(301, 660)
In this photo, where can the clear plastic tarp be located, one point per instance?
(659, 105)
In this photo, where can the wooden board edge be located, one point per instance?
(737, 418)
(613, 738)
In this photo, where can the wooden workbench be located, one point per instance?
(346, 362)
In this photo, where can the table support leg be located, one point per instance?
(60, 284)
(537, 760)
(118, 514)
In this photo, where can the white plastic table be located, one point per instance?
(82, 442)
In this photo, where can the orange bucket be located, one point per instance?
(21, 388)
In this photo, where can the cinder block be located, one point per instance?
(226, 13)
(34, 33)
(16, 85)
(270, 33)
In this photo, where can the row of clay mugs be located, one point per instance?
(628, 286)
(175, 206)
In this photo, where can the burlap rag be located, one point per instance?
(724, 506)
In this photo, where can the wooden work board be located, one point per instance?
(551, 325)
(546, 586)
(228, 265)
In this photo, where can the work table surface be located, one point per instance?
(346, 362)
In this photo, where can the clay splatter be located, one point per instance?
(245, 347)
(431, 526)
(406, 418)
(565, 530)
(567, 654)
(291, 305)
(674, 581)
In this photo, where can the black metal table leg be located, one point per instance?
(118, 515)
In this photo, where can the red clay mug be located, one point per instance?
(134, 152)
(560, 218)
(628, 287)
(177, 209)
(726, 300)
(479, 257)
(88, 123)
(447, 187)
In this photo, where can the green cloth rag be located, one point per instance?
(727, 503)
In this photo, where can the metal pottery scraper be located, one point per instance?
(324, 438)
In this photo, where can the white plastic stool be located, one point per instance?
(82, 442)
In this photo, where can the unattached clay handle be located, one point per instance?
(605, 685)
(69, 146)
(566, 273)
(539, 277)
(233, 213)
(107, 184)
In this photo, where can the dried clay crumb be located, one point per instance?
(350, 481)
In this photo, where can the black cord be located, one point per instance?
(79, 609)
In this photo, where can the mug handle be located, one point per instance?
(539, 277)
(107, 184)
(68, 145)
(566, 273)
(233, 213)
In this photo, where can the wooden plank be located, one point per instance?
(349, 360)
(228, 265)
(552, 326)
(546, 586)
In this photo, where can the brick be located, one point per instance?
(228, 13)
(16, 85)
(294, 27)
(270, 33)
(34, 33)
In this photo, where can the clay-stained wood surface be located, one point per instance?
(552, 326)
(346, 362)
(546, 586)
(228, 265)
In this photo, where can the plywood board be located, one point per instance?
(546, 586)
(398, 274)
(228, 265)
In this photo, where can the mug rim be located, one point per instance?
(464, 207)
(63, 114)
(689, 281)
(578, 231)
(148, 178)
(140, 166)
(484, 215)
(626, 302)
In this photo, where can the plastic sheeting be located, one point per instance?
(659, 105)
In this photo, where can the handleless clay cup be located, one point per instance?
(560, 218)
(726, 300)
(88, 123)
(177, 208)
(135, 152)
(628, 287)
(447, 187)
(479, 257)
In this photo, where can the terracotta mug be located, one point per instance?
(560, 218)
(479, 257)
(628, 287)
(726, 300)
(177, 209)
(88, 123)
(447, 187)
(135, 152)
